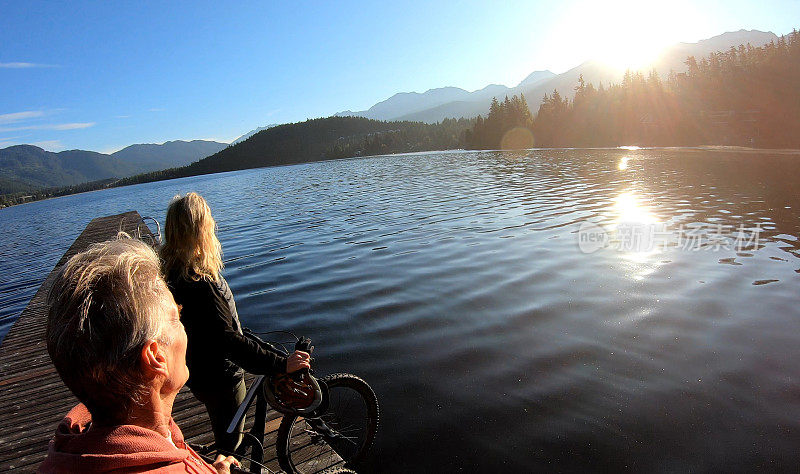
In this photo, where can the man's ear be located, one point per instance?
(152, 359)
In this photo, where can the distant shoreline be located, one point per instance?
(85, 188)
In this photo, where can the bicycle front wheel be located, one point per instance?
(342, 435)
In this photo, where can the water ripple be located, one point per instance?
(453, 282)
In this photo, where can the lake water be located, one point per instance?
(457, 285)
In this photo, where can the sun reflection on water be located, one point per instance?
(630, 210)
(635, 227)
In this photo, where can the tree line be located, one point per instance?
(20, 197)
(745, 96)
(507, 126)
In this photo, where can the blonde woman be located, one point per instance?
(217, 350)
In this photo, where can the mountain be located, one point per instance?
(151, 157)
(673, 57)
(407, 104)
(25, 168)
(251, 133)
(429, 107)
(536, 77)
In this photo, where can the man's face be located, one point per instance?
(175, 352)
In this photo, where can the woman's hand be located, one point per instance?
(298, 360)
(223, 464)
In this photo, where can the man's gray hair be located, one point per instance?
(105, 304)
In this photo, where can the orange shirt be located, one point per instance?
(79, 447)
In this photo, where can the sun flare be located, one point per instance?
(629, 49)
(626, 34)
(630, 210)
(637, 232)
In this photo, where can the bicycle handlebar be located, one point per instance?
(302, 343)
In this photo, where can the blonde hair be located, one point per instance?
(190, 240)
(105, 304)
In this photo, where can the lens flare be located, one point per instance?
(518, 138)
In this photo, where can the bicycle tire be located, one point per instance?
(338, 470)
(301, 450)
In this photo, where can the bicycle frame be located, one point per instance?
(255, 437)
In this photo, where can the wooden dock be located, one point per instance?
(33, 399)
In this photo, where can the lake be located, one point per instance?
(565, 310)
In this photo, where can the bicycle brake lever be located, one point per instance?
(304, 344)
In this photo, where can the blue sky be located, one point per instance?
(103, 75)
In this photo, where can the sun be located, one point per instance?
(626, 34)
(632, 51)
(633, 35)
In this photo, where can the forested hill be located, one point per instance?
(743, 96)
(322, 139)
(25, 168)
(28, 169)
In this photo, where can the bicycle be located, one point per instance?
(336, 436)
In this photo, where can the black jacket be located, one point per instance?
(217, 348)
